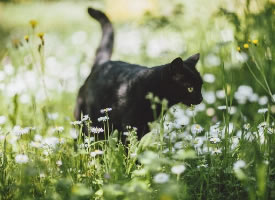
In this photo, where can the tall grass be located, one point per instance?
(220, 149)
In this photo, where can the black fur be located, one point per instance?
(123, 86)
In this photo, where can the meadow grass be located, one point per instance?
(220, 149)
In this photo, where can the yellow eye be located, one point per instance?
(190, 89)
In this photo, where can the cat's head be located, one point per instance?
(185, 81)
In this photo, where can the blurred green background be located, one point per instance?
(149, 32)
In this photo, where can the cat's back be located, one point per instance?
(117, 72)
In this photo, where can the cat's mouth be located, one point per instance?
(194, 102)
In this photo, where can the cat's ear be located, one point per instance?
(177, 62)
(192, 61)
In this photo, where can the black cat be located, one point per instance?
(123, 86)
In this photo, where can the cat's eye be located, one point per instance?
(190, 89)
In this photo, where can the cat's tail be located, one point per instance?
(105, 49)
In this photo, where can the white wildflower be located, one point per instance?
(21, 158)
(161, 178)
(232, 110)
(220, 94)
(18, 131)
(235, 142)
(202, 165)
(59, 129)
(36, 144)
(96, 130)
(42, 175)
(133, 155)
(3, 120)
(89, 139)
(103, 119)
(50, 142)
(178, 169)
(263, 125)
(239, 164)
(198, 142)
(52, 116)
(59, 163)
(178, 145)
(246, 126)
(96, 152)
(105, 110)
(215, 140)
(222, 107)
(262, 110)
(196, 128)
(210, 112)
(73, 133)
(85, 118)
(209, 78)
(263, 100)
(76, 123)
(209, 97)
(216, 151)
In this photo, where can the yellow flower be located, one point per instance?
(239, 49)
(26, 37)
(41, 35)
(33, 23)
(246, 46)
(165, 197)
(255, 42)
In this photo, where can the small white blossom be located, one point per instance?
(216, 151)
(59, 163)
(103, 119)
(202, 165)
(215, 140)
(263, 100)
(36, 144)
(198, 142)
(18, 131)
(133, 155)
(262, 110)
(209, 78)
(50, 142)
(85, 118)
(126, 133)
(178, 145)
(21, 158)
(222, 107)
(161, 178)
(178, 169)
(96, 152)
(76, 123)
(52, 116)
(59, 129)
(3, 120)
(246, 126)
(105, 110)
(239, 164)
(220, 94)
(89, 139)
(42, 175)
(262, 125)
(73, 133)
(196, 128)
(96, 130)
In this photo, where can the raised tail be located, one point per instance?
(105, 49)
